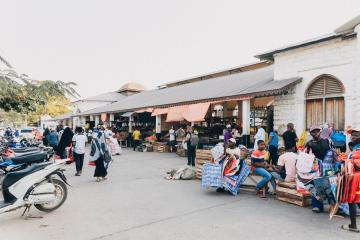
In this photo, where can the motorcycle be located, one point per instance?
(35, 186)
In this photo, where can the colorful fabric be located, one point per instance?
(211, 175)
(328, 164)
(233, 183)
(258, 156)
(231, 166)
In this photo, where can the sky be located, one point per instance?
(103, 44)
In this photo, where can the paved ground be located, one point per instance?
(137, 203)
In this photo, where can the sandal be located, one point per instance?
(348, 228)
(260, 193)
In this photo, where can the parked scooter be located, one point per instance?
(35, 185)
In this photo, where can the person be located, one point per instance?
(227, 135)
(234, 150)
(8, 133)
(355, 142)
(89, 136)
(288, 161)
(172, 139)
(108, 132)
(17, 133)
(46, 137)
(348, 138)
(79, 141)
(261, 167)
(190, 139)
(38, 135)
(60, 127)
(53, 139)
(273, 147)
(136, 137)
(290, 137)
(64, 141)
(260, 135)
(319, 147)
(98, 148)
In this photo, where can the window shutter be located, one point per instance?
(317, 88)
(333, 87)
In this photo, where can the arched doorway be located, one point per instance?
(325, 102)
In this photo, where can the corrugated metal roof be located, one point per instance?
(105, 97)
(258, 81)
(62, 117)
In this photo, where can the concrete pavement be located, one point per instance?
(136, 202)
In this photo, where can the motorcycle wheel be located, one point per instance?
(60, 197)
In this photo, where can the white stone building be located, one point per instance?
(330, 70)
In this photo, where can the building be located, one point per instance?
(329, 67)
(101, 100)
(308, 83)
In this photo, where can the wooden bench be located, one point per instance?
(286, 192)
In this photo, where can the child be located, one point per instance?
(260, 167)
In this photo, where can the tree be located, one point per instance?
(20, 93)
(55, 106)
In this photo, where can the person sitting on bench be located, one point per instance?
(287, 161)
(260, 167)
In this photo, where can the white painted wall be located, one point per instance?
(340, 58)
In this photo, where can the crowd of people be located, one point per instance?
(278, 157)
(69, 144)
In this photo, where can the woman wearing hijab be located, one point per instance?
(46, 138)
(65, 141)
(98, 148)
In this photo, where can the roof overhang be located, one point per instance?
(348, 26)
(270, 55)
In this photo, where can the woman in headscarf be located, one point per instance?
(65, 141)
(98, 148)
(46, 138)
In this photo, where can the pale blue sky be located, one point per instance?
(102, 44)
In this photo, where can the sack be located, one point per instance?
(339, 139)
(217, 152)
(211, 175)
(194, 140)
(305, 162)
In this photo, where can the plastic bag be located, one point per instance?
(305, 162)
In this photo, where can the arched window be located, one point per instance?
(325, 102)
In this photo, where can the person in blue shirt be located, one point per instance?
(273, 147)
(53, 139)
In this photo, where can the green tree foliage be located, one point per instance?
(20, 93)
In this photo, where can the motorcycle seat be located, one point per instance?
(24, 150)
(20, 154)
(30, 158)
(13, 177)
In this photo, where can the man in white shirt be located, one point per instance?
(79, 141)
(260, 135)
(172, 139)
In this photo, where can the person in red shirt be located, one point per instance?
(354, 199)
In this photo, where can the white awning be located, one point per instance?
(127, 114)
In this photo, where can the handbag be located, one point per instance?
(106, 154)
